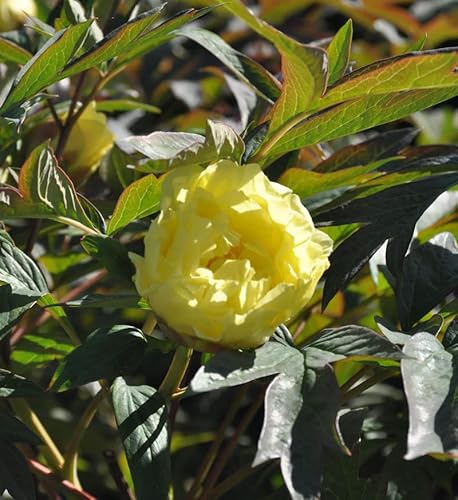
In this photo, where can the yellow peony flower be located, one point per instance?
(89, 140)
(13, 13)
(230, 256)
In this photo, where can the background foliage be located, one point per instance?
(351, 105)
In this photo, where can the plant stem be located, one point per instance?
(366, 370)
(150, 324)
(225, 455)
(176, 371)
(29, 417)
(70, 467)
(69, 121)
(233, 480)
(117, 476)
(69, 489)
(216, 444)
(375, 379)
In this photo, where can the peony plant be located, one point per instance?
(228, 257)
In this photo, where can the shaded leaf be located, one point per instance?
(19, 271)
(139, 199)
(15, 476)
(389, 214)
(46, 65)
(300, 411)
(429, 274)
(13, 430)
(383, 145)
(142, 419)
(111, 253)
(106, 353)
(109, 301)
(12, 306)
(12, 385)
(430, 378)
(353, 341)
(339, 52)
(246, 69)
(231, 368)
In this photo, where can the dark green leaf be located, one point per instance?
(451, 335)
(247, 70)
(339, 52)
(142, 419)
(46, 65)
(429, 274)
(139, 199)
(15, 476)
(383, 145)
(13, 430)
(111, 253)
(108, 301)
(12, 306)
(12, 385)
(430, 376)
(300, 411)
(19, 271)
(106, 353)
(231, 368)
(389, 214)
(353, 341)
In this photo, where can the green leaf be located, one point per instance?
(383, 145)
(11, 52)
(109, 301)
(46, 65)
(15, 476)
(231, 368)
(19, 271)
(160, 34)
(12, 385)
(111, 253)
(142, 419)
(13, 430)
(300, 412)
(419, 70)
(245, 68)
(389, 214)
(12, 306)
(106, 353)
(117, 105)
(115, 43)
(355, 116)
(339, 52)
(430, 382)
(353, 341)
(429, 274)
(45, 191)
(182, 148)
(304, 68)
(307, 182)
(451, 336)
(139, 199)
(36, 350)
